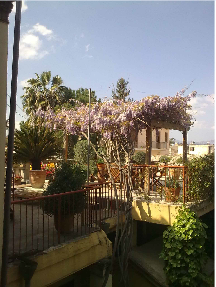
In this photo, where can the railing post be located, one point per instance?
(59, 218)
(100, 207)
(183, 184)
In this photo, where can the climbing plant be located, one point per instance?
(201, 174)
(184, 252)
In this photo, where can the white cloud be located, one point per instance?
(42, 30)
(17, 125)
(24, 7)
(87, 47)
(211, 98)
(87, 56)
(200, 125)
(213, 127)
(31, 43)
(24, 83)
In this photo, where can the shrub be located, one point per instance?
(81, 154)
(139, 158)
(164, 159)
(201, 175)
(184, 252)
(67, 178)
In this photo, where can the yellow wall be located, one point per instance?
(60, 262)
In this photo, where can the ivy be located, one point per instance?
(201, 174)
(184, 252)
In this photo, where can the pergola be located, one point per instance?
(155, 124)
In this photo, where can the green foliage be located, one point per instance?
(172, 183)
(42, 91)
(45, 92)
(121, 91)
(67, 178)
(201, 174)
(81, 154)
(179, 160)
(34, 143)
(184, 252)
(171, 141)
(139, 157)
(164, 159)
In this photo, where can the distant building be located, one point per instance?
(160, 142)
(197, 149)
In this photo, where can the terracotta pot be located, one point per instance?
(172, 194)
(101, 172)
(66, 223)
(17, 181)
(37, 178)
(175, 173)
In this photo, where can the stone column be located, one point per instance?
(5, 9)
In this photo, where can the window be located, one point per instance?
(192, 148)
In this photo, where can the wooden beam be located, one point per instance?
(148, 144)
(185, 146)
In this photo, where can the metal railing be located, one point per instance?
(156, 179)
(47, 221)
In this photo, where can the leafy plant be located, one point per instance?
(164, 159)
(184, 252)
(81, 154)
(172, 183)
(139, 157)
(67, 178)
(179, 160)
(201, 174)
(34, 143)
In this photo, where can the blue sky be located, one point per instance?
(159, 47)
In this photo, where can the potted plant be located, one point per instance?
(102, 171)
(176, 172)
(139, 158)
(17, 179)
(34, 143)
(68, 177)
(172, 189)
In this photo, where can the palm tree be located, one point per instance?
(34, 143)
(42, 92)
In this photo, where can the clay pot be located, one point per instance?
(101, 172)
(172, 194)
(66, 223)
(37, 178)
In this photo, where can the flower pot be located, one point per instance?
(172, 194)
(17, 181)
(101, 172)
(66, 223)
(37, 178)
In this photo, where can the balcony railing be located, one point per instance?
(46, 221)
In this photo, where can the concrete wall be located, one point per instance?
(62, 261)
(199, 150)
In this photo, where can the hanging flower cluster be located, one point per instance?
(113, 118)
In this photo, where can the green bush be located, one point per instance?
(184, 251)
(139, 157)
(201, 177)
(67, 178)
(164, 159)
(81, 154)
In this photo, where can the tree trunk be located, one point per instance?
(36, 164)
